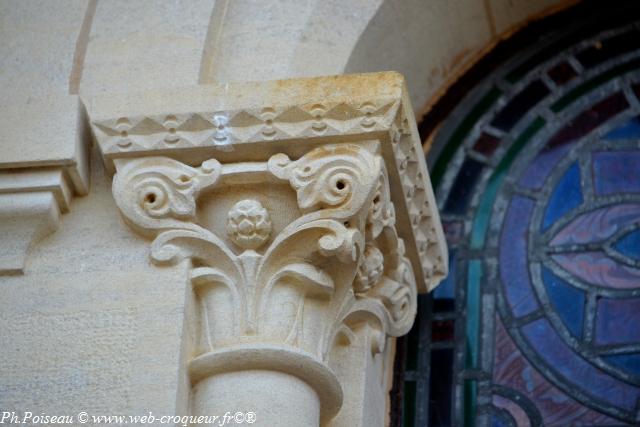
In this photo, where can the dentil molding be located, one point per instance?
(304, 207)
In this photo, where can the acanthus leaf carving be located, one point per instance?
(339, 264)
(294, 256)
(344, 195)
(195, 122)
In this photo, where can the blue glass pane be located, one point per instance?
(526, 316)
(463, 187)
(564, 140)
(566, 196)
(538, 171)
(629, 244)
(626, 362)
(577, 370)
(629, 130)
(567, 301)
(617, 172)
(617, 320)
(446, 289)
(498, 422)
(514, 261)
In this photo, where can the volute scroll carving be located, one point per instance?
(245, 121)
(338, 264)
(159, 193)
(302, 209)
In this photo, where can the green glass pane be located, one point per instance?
(483, 213)
(470, 395)
(460, 133)
(409, 412)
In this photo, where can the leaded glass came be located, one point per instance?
(537, 172)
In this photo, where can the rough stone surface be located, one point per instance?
(73, 323)
(145, 44)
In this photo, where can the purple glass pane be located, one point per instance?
(563, 140)
(616, 172)
(514, 262)
(557, 409)
(576, 370)
(617, 321)
(519, 415)
(599, 269)
(597, 225)
(538, 170)
(590, 119)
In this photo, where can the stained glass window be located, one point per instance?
(537, 173)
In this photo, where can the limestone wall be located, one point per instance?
(87, 323)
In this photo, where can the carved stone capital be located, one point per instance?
(302, 220)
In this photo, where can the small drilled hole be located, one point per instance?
(376, 199)
(340, 185)
(150, 198)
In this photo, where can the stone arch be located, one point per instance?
(433, 43)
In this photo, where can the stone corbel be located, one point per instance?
(43, 166)
(305, 210)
